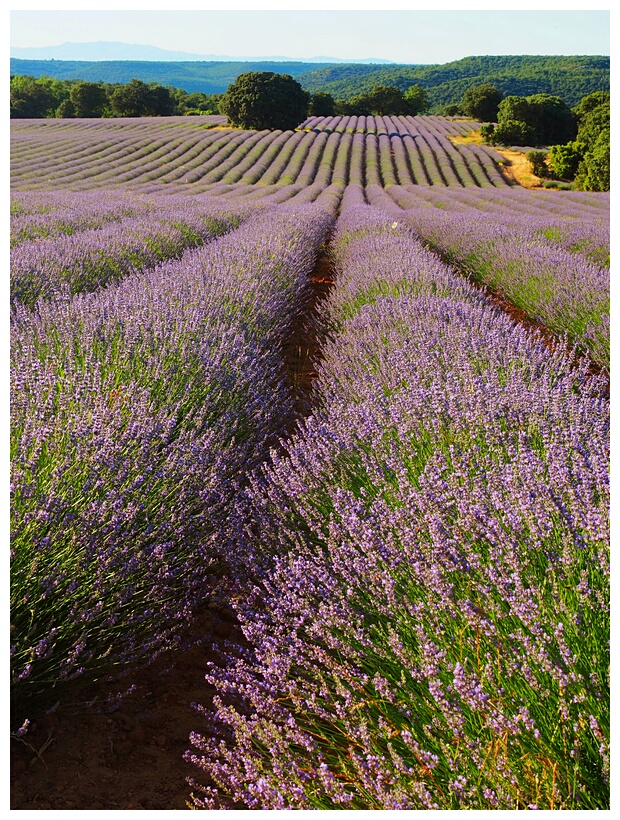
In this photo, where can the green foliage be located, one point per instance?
(35, 98)
(417, 100)
(452, 110)
(594, 171)
(322, 105)
(540, 119)
(262, 99)
(481, 102)
(590, 102)
(587, 159)
(551, 119)
(386, 100)
(137, 99)
(592, 124)
(564, 159)
(568, 77)
(487, 132)
(538, 162)
(89, 99)
(66, 110)
(513, 132)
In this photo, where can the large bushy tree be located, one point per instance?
(481, 102)
(540, 119)
(264, 100)
(137, 99)
(32, 98)
(593, 113)
(416, 100)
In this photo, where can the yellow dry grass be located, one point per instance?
(517, 169)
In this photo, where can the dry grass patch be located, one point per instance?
(517, 169)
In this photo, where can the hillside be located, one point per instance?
(568, 77)
(208, 77)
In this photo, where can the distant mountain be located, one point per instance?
(100, 51)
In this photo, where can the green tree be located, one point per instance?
(594, 170)
(89, 99)
(551, 119)
(592, 123)
(590, 102)
(322, 104)
(544, 120)
(514, 132)
(66, 110)
(264, 100)
(513, 108)
(481, 102)
(564, 159)
(32, 98)
(416, 100)
(452, 110)
(129, 99)
(137, 99)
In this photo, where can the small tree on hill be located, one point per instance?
(537, 161)
(264, 100)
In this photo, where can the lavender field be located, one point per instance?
(415, 546)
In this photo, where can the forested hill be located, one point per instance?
(570, 78)
(208, 77)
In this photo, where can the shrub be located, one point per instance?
(538, 162)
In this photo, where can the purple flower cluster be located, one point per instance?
(429, 620)
(136, 412)
(523, 259)
(73, 262)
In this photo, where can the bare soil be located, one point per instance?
(89, 755)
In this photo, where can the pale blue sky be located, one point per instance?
(401, 36)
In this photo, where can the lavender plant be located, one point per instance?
(86, 261)
(559, 289)
(135, 413)
(429, 622)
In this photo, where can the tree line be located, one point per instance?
(44, 97)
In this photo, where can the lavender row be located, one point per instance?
(408, 150)
(53, 214)
(559, 289)
(429, 624)
(69, 264)
(135, 414)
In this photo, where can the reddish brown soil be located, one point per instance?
(88, 757)
(302, 352)
(130, 757)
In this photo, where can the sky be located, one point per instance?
(408, 36)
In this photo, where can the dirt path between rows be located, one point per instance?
(129, 755)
